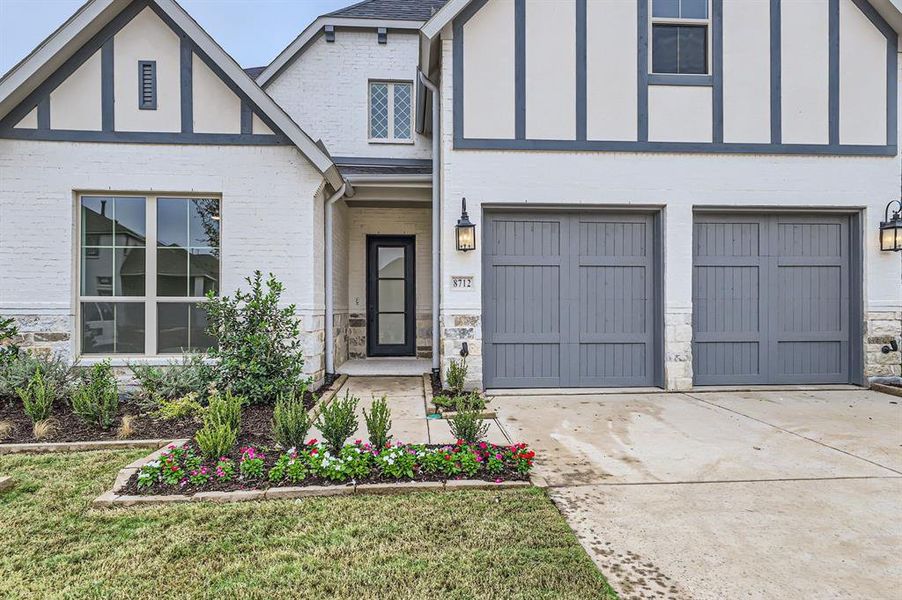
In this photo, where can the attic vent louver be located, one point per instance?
(147, 84)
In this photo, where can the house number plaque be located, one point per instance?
(461, 282)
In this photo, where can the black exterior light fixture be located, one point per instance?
(891, 228)
(466, 231)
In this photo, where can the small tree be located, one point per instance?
(258, 353)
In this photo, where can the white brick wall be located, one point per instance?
(325, 90)
(267, 209)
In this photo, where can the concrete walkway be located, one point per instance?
(407, 402)
(726, 495)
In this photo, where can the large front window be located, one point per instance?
(144, 264)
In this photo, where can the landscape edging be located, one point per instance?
(42, 447)
(6, 483)
(112, 497)
(887, 389)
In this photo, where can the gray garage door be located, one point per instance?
(569, 300)
(771, 299)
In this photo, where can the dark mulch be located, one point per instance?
(256, 423)
(271, 456)
(69, 427)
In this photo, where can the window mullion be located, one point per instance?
(150, 279)
(390, 135)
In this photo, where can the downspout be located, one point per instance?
(330, 300)
(436, 221)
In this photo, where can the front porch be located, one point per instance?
(381, 256)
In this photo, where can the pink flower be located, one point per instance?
(498, 456)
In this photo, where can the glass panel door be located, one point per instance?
(390, 296)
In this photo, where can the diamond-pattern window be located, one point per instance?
(391, 109)
(402, 111)
(379, 111)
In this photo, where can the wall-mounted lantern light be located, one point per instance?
(891, 229)
(466, 231)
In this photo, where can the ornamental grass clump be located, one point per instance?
(222, 422)
(38, 396)
(467, 425)
(337, 422)
(96, 399)
(378, 423)
(156, 384)
(290, 420)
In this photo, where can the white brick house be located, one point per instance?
(666, 193)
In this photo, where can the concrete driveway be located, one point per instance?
(726, 495)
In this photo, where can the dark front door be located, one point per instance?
(390, 296)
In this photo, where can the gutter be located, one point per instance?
(344, 189)
(436, 221)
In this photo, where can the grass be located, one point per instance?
(511, 544)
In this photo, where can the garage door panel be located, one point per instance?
(810, 299)
(613, 364)
(612, 300)
(728, 359)
(599, 302)
(778, 317)
(539, 364)
(736, 237)
(527, 298)
(726, 299)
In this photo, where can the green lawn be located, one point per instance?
(443, 545)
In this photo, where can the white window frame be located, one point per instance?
(391, 139)
(150, 299)
(709, 45)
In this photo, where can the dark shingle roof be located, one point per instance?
(403, 10)
(254, 72)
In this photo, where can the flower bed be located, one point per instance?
(182, 470)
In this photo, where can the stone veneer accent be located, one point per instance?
(45, 334)
(881, 329)
(678, 350)
(357, 335)
(313, 342)
(455, 330)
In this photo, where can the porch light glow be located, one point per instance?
(466, 231)
(891, 229)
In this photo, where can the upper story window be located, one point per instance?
(144, 264)
(391, 111)
(680, 36)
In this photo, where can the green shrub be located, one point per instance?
(180, 408)
(18, 372)
(224, 409)
(471, 401)
(176, 380)
(337, 422)
(96, 399)
(258, 354)
(456, 375)
(290, 421)
(8, 330)
(378, 423)
(38, 397)
(222, 422)
(215, 441)
(466, 425)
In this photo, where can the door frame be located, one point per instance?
(409, 347)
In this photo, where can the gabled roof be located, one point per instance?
(94, 15)
(889, 10)
(254, 72)
(388, 14)
(404, 10)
